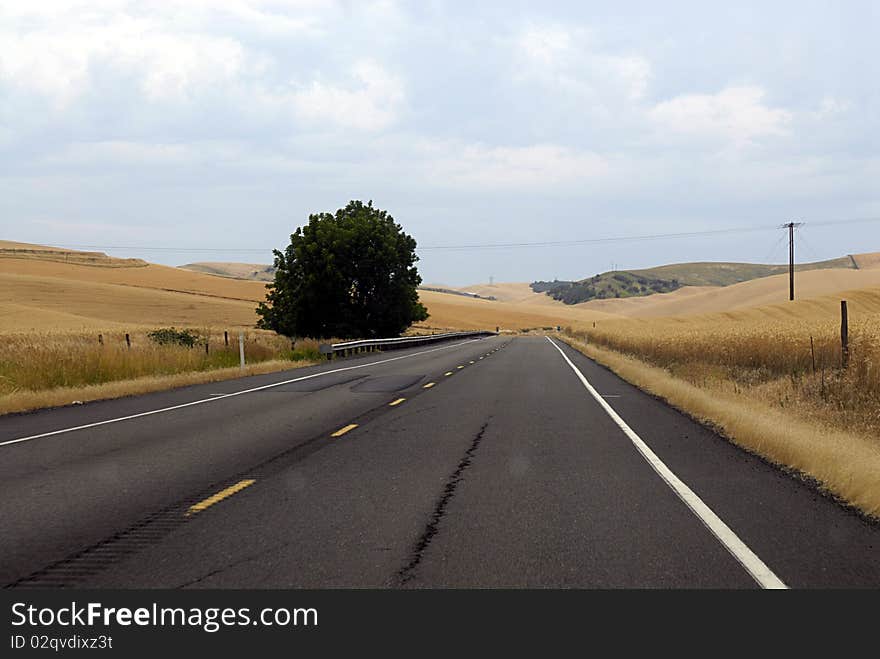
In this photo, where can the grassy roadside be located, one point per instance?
(25, 401)
(61, 368)
(846, 464)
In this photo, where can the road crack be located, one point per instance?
(408, 572)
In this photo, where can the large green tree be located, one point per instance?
(348, 274)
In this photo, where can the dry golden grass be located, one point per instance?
(9, 249)
(23, 401)
(44, 361)
(847, 464)
(29, 302)
(790, 355)
(151, 276)
(867, 261)
(11, 244)
(40, 370)
(40, 293)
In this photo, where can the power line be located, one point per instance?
(658, 236)
(517, 245)
(589, 241)
(772, 253)
(554, 243)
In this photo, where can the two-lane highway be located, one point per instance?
(486, 463)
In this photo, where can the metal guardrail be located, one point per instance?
(371, 345)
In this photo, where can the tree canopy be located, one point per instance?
(349, 274)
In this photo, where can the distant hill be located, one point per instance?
(15, 250)
(250, 271)
(455, 291)
(725, 274)
(604, 286)
(668, 278)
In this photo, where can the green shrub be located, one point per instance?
(172, 336)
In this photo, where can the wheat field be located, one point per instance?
(791, 356)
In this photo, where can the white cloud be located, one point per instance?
(119, 152)
(535, 166)
(61, 62)
(831, 107)
(737, 115)
(171, 50)
(570, 59)
(372, 103)
(547, 46)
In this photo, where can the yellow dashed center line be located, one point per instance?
(396, 402)
(342, 431)
(459, 367)
(471, 361)
(429, 385)
(217, 498)
(448, 373)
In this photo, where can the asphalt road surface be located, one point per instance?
(497, 462)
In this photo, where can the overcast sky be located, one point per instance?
(224, 123)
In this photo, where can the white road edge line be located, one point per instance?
(738, 549)
(215, 397)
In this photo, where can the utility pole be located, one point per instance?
(791, 226)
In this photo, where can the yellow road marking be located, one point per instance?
(217, 498)
(480, 357)
(429, 385)
(342, 431)
(459, 367)
(396, 402)
(471, 361)
(448, 373)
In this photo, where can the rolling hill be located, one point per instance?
(252, 271)
(15, 250)
(45, 293)
(726, 274)
(668, 278)
(42, 291)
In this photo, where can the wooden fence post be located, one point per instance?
(226, 338)
(813, 353)
(127, 340)
(101, 339)
(844, 335)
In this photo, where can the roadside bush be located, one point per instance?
(171, 336)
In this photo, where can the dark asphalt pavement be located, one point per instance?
(506, 473)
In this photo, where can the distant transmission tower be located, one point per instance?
(791, 226)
